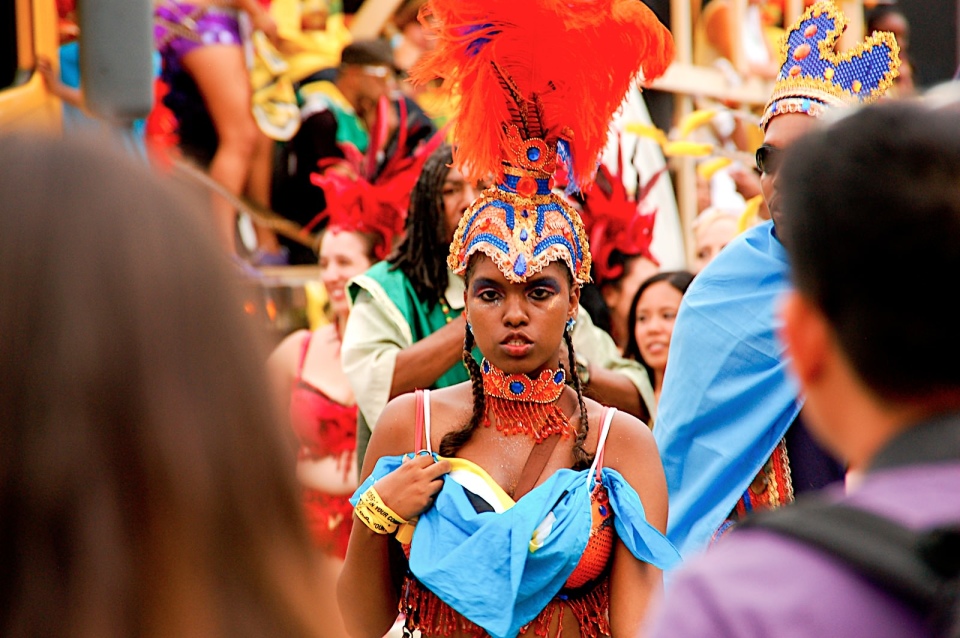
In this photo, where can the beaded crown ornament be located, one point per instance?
(536, 83)
(814, 77)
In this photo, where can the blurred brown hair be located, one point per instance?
(145, 485)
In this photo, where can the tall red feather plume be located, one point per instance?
(568, 64)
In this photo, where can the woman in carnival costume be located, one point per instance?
(306, 366)
(512, 515)
(363, 220)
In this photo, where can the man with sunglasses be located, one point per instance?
(730, 429)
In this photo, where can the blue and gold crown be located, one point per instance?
(813, 76)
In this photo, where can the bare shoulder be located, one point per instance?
(394, 433)
(631, 450)
(627, 433)
(289, 348)
(630, 443)
(282, 362)
(451, 407)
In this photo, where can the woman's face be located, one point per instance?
(656, 313)
(457, 194)
(711, 239)
(519, 327)
(343, 255)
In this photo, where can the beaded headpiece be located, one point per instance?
(537, 82)
(813, 76)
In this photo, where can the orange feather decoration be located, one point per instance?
(556, 69)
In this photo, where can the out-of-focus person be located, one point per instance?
(145, 486)
(653, 312)
(889, 17)
(730, 431)
(201, 40)
(306, 369)
(881, 384)
(713, 229)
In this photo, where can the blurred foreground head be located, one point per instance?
(872, 226)
(144, 483)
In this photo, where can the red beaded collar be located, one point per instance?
(546, 388)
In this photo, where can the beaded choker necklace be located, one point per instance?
(522, 405)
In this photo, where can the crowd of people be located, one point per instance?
(513, 419)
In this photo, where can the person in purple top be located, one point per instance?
(871, 223)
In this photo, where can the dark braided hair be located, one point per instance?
(583, 459)
(421, 255)
(453, 441)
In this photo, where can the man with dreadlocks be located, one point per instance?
(406, 327)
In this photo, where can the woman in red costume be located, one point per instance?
(511, 513)
(306, 366)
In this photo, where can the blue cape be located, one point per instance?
(727, 399)
(482, 564)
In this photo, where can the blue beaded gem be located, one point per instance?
(520, 265)
(533, 153)
(523, 235)
(517, 387)
(558, 377)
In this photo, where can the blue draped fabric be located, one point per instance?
(481, 564)
(727, 399)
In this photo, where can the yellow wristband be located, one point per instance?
(375, 514)
(370, 519)
(372, 498)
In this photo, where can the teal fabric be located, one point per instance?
(481, 564)
(727, 398)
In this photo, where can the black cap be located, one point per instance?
(367, 53)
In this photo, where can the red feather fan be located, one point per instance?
(558, 69)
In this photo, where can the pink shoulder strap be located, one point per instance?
(422, 428)
(303, 354)
(606, 418)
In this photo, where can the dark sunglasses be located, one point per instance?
(768, 159)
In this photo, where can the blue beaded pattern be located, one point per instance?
(813, 75)
(520, 234)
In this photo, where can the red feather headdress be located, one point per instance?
(378, 206)
(614, 221)
(555, 69)
(535, 81)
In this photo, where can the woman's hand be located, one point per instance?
(411, 488)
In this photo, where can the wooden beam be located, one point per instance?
(681, 25)
(792, 10)
(370, 19)
(853, 9)
(701, 81)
